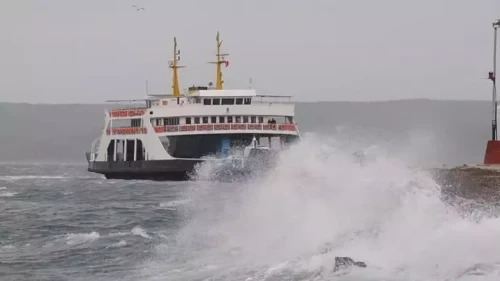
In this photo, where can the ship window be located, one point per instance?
(171, 121)
(207, 101)
(230, 119)
(245, 119)
(238, 119)
(197, 120)
(213, 119)
(188, 120)
(248, 101)
(253, 119)
(227, 101)
(261, 119)
(216, 101)
(136, 122)
(205, 120)
(239, 101)
(222, 119)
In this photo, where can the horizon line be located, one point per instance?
(298, 101)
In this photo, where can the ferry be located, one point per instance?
(165, 137)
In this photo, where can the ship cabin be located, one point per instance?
(205, 122)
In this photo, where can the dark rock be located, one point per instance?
(346, 262)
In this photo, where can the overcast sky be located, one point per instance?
(57, 51)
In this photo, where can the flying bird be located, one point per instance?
(138, 9)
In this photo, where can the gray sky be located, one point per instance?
(57, 51)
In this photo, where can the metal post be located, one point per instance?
(135, 150)
(494, 124)
(125, 150)
(115, 148)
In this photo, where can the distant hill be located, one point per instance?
(456, 130)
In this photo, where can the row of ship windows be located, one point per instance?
(214, 119)
(222, 119)
(227, 101)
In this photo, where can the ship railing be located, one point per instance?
(95, 145)
(92, 154)
(270, 99)
(128, 105)
(270, 127)
(207, 128)
(284, 127)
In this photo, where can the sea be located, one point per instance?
(60, 222)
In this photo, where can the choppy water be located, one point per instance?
(58, 222)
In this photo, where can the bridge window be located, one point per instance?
(205, 120)
(248, 101)
(197, 120)
(238, 119)
(245, 119)
(188, 120)
(207, 101)
(261, 119)
(230, 119)
(222, 119)
(253, 119)
(227, 101)
(239, 101)
(216, 101)
(213, 119)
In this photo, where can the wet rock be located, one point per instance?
(479, 183)
(346, 263)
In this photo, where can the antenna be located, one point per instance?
(221, 59)
(250, 84)
(147, 88)
(174, 66)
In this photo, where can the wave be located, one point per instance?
(7, 194)
(384, 212)
(23, 177)
(80, 238)
(174, 204)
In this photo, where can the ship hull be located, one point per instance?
(158, 170)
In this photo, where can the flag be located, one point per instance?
(226, 62)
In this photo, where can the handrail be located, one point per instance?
(225, 127)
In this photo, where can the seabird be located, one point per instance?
(138, 8)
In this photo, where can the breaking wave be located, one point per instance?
(318, 203)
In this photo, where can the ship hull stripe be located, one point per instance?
(162, 170)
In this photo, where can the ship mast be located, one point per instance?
(220, 60)
(174, 66)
